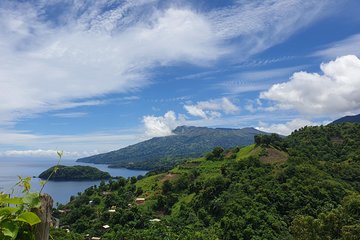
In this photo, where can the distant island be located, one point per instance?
(74, 173)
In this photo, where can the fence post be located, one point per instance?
(42, 230)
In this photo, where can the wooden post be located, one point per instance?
(42, 230)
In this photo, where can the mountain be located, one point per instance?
(164, 152)
(304, 186)
(351, 119)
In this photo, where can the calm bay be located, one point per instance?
(61, 192)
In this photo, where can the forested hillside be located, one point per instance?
(305, 186)
(163, 153)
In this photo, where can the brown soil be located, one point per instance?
(274, 156)
(169, 176)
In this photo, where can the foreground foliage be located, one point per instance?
(246, 193)
(16, 216)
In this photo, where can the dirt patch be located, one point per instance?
(169, 176)
(274, 156)
(192, 164)
(337, 140)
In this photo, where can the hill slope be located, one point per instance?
(164, 152)
(351, 119)
(277, 189)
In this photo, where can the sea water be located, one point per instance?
(61, 192)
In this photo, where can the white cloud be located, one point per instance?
(350, 45)
(70, 114)
(41, 153)
(93, 48)
(260, 80)
(160, 126)
(262, 24)
(75, 61)
(334, 91)
(285, 128)
(195, 111)
(17, 143)
(212, 108)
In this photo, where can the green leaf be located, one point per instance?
(27, 186)
(9, 229)
(14, 200)
(60, 153)
(29, 217)
(32, 199)
(8, 210)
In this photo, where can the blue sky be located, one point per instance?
(93, 76)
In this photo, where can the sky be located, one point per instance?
(87, 77)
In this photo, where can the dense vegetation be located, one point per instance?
(17, 217)
(163, 153)
(305, 186)
(73, 173)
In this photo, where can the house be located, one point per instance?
(63, 210)
(155, 220)
(111, 210)
(106, 226)
(95, 238)
(140, 200)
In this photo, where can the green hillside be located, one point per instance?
(74, 173)
(305, 186)
(162, 153)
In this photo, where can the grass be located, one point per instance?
(150, 184)
(247, 151)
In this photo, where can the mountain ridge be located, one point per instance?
(185, 142)
(351, 119)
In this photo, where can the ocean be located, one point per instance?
(61, 192)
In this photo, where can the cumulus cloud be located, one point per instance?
(336, 90)
(212, 108)
(285, 128)
(160, 126)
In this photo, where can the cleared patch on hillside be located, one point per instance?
(169, 176)
(337, 140)
(273, 155)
